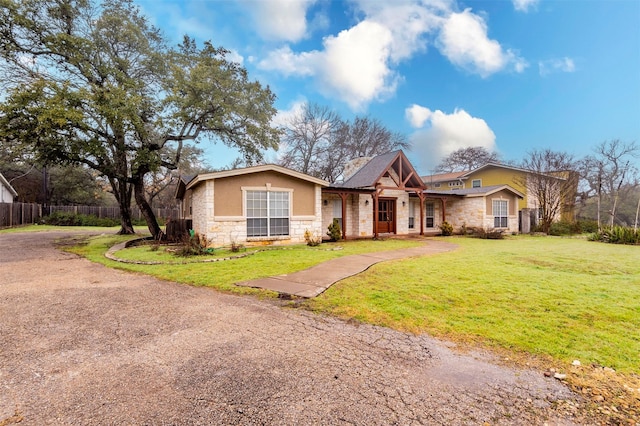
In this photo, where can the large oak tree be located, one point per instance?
(97, 85)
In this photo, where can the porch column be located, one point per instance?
(375, 214)
(444, 208)
(422, 200)
(343, 197)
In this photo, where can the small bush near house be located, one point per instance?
(446, 228)
(335, 233)
(564, 228)
(617, 235)
(486, 234)
(311, 239)
(194, 245)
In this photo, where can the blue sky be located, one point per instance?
(511, 76)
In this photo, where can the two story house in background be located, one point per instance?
(506, 192)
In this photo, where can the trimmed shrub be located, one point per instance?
(446, 228)
(564, 228)
(588, 226)
(487, 234)
(334, 231)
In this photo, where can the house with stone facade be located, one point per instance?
(258, 205)
(7, 193)
(380, 195)
(492, 181)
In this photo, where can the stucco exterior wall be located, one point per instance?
(229, 196)
(501, 176)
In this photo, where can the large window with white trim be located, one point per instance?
(500, 213)
(267, 213)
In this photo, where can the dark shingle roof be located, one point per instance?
(368, 174)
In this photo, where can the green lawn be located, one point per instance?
(561, 297)
(566, 298)
(223, 275)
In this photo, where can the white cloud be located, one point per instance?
(556, 65)
(445, 133)
(524, 5)
(359, 64)
(464, 41)
(354, 64)
(234, 56)
(289, 63)
(417, 115)
(284, 116)
(282, 20)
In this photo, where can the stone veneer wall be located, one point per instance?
(200, 202)
(469, 212)
(234, 230)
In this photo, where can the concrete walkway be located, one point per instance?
(315, 280)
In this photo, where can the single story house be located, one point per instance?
(7, 193)
(265, 204)
(270, 204)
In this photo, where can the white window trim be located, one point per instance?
(479, 183)
(506, 213)
(267, 188)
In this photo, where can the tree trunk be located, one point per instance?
(145, 208)
(126, 225)
(122, 192)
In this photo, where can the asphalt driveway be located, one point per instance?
(84, 344)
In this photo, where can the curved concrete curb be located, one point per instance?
(315, 280)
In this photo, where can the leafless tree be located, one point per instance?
(467, 159)
(308, 137)
(317, 141)
(552, 183)
(610, 174)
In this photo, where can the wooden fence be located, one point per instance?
(16, 214)
(114, 212)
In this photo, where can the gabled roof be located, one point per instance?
(476, 192)
(444, 177)
(182, 185)
(7, 185)
(370, 174)
(255, 169)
